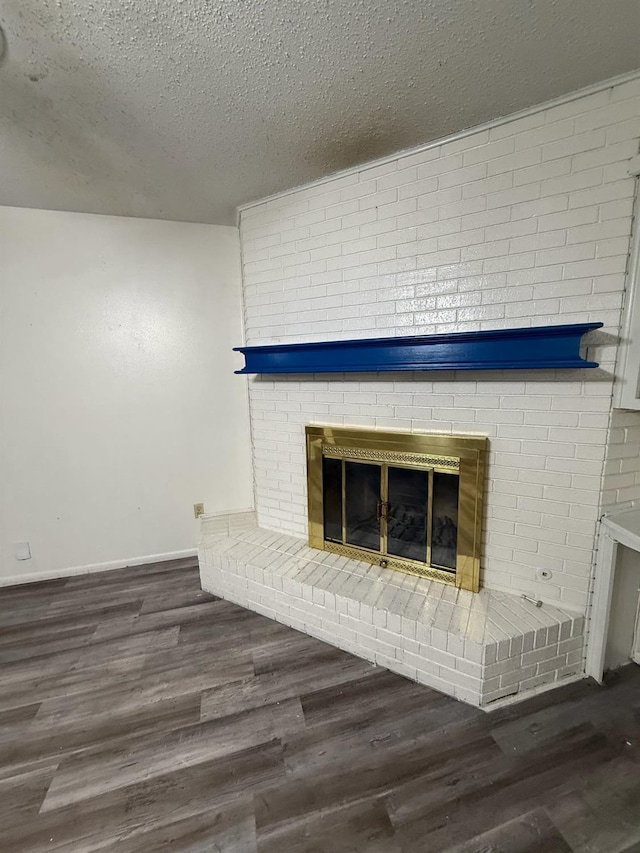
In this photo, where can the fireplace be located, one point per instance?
(405, 501)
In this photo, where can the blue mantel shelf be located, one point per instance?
(536, 348)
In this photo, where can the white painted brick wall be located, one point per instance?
(526, 223)
(621, 482)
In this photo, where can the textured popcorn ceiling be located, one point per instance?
(182, 109)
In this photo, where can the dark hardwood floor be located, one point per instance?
(138, 714)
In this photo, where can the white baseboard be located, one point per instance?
(14, 580)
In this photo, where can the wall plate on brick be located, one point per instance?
(22, 551)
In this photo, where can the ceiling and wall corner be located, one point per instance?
(185, 110)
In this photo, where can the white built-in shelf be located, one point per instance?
(621, 528)
(624, 527)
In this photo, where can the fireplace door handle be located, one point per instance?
(382, 510)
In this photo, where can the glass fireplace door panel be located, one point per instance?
(362, 510)
(332, 498)
(444, 535)
(408, 495)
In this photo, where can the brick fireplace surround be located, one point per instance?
(522, 222)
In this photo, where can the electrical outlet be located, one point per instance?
(198, 510)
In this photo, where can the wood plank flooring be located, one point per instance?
(138, 714)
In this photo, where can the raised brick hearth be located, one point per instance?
(479, 647)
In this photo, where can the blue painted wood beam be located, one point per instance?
(535, 348)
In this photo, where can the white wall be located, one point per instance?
(526, 222)
(119, 407)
